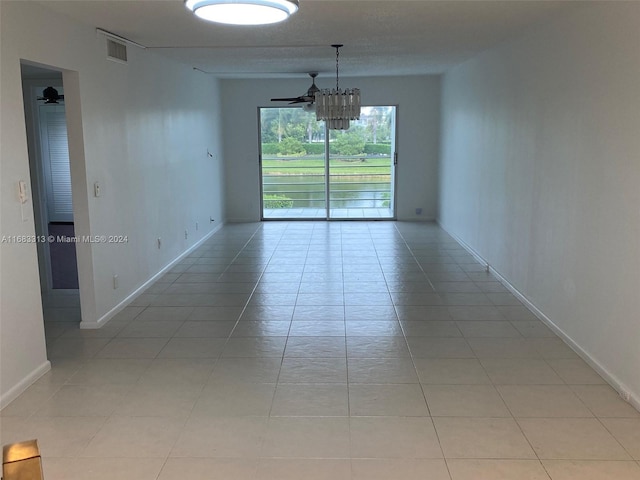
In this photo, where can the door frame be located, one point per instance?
(328, 218)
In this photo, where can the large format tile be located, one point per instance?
(221, 437)
(482, 438)
(308, 437)
(209, 468)
(307, 468)
(463, 469)
(135, 437)
(400, 468)
(591, 470)
(571, 439)
(403, 400)
(394, 437)
(464, 401)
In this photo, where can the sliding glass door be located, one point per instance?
(308, 172)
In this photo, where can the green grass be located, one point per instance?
(314, 164)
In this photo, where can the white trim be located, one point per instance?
(140, 290)
(609, 377)
(18, 389)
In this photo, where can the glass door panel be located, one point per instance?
(361, 166)
(293, 170)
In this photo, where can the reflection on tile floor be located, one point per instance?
(301, 350)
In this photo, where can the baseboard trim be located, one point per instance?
(17, 390)
(140, 290)
(609, 377)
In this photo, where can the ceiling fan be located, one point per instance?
(51, 95)
(309, 98)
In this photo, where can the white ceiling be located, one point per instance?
(393, 37)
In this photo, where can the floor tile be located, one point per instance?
(84, 401)
(221, 437)
(627, 432)
(234, 399)
(177, 371)
(451, 371)
(377, 347)
(102, 468)
(251, 370)
(416, 328)
(149, 400)
(394, 437)
(381, 370)
(313, 370)
(428, 347)
(133, 348)
(471, 469)
(205, 329)
(193, 348)
(310, 400)
(576, 372)
(482, 438)
(591, 470)
(308, 437)
(464, 401)
(316, 347)
(405, 469)
(209, 468)
(543, 401)
(403, 400)
(104, 371)
(309, 469)
(604, 401)
(571, 439)
(62, 436)
(317, 329)
(520, 371)
(134, 437)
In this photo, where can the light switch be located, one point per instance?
(22, 191)
(97, 189)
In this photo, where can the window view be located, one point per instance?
(308, 173)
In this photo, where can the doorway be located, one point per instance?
(310, 172)
(47, 138)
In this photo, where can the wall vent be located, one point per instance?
(116, 51)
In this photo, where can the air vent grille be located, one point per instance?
(116, 51)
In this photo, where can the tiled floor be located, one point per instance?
(374, 350)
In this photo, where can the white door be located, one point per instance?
(55, 162)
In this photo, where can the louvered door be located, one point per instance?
(55, 156)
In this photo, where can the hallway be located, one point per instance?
(324, 350)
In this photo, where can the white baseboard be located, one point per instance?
(85, 325)
(609, 377)
(15, 391)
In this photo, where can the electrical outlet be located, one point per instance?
(115, 282)
(418, 211)
(159, 242)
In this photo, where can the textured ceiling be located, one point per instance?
(381, 37)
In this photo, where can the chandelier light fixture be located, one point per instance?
(243, 12)
(337, 107)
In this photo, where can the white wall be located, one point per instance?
(142, 130)
(418, 101)
(540, 174)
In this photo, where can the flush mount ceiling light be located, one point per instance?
(243, 12)
(335, 106)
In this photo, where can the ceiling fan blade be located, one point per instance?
(293, 99)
